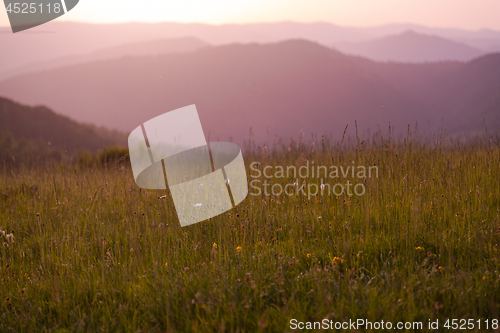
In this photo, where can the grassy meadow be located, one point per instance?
(85, 250)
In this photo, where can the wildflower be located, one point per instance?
(2, 233)
(238, 249)
(280, 256)
(166, 264)
(308, 255)
(322, 186)
(419, 248)
(484, 277)
(10, 237)
(186, 268)
(336, 260)
(215, 245)
(440, 269)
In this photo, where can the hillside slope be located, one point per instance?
(285, 87)
(40, 125)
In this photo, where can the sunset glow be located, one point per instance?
(446, 13)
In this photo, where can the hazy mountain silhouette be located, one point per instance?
(152, 47)
(411, 47)
(44, 128)
(464, 96)
(58, 39)
(474, 94)
(284, 86)
(493, 48)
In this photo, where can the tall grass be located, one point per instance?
(93, 252)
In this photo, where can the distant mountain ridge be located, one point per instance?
(411, 47)
(286, 86)
(72, 38)
(149, 47)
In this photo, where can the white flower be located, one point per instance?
(2, 233)
(197, 205)
(322, 187)
(10, 237)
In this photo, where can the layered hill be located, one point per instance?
(42, 128)
(411, 47)
(143, 48)
(58, 39)
(286, 87)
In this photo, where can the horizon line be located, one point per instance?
(269, 22)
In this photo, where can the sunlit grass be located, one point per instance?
(93, 252)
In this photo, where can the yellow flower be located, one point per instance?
(215, 245)
(336, 260)
(484, 277)
(238, 249)
(166, 264)
(308, 255)
(441, 269)
(342, 261)
(419, 248)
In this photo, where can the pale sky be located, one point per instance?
(465, 14)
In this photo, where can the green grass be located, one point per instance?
(93, 252)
